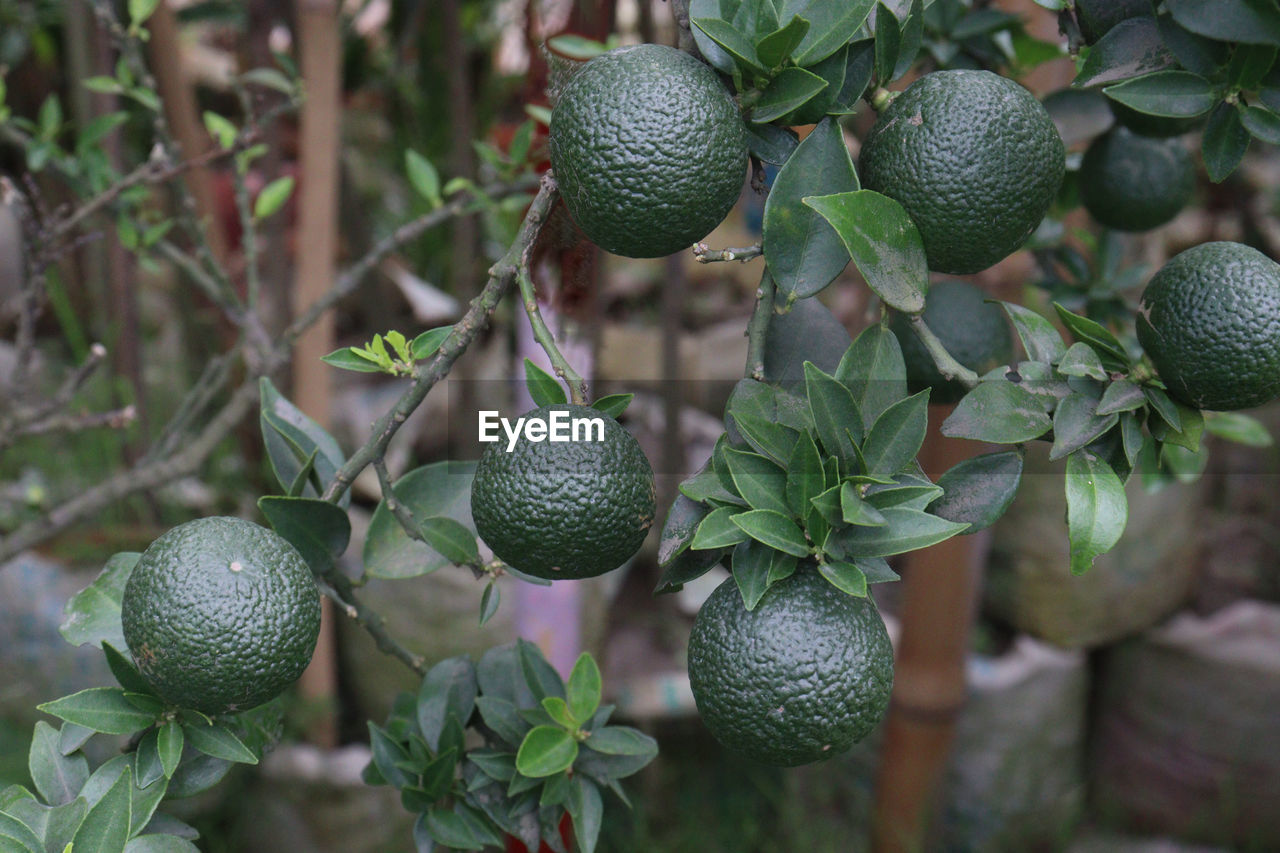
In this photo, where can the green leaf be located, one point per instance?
(718, 531)
(1262, 124)
(350, 358)
(832, 25)
(854, 510)
(1163, 406)
(613, 405)
(1076, 423)
(583, 688)
(1178, 94)
(438, 489)
(790, 89)
(767, 437)
(1239, 428)
(448, 689)
(544, 389)
(761, 483)
(57, 777)
(450, 829)
(93, 613)
(773, 529)
(905, 530)
(888, 33)
(489, 601)
(896, 436)
(219, 742)
(803, 252)
(622, 740)
(1040, 340)
(846, 577)
(804, 475)
(1081, 360)
(291, 437)
(1121, 396)
(157, 843)
(874, 372)
(1196, 53)
(1107, 347)
(883, 242)
(423, 177)
(1191, 432)
(169, 743)
(558, 710)
(319, 530)
(1224, 142)
(978, 491)
(752, 563)
(219, 127)
(545, 751)
(1248, 21)
(147, 769)
(539, 676)
(103, 709)
(56, 825)
(771, 143)
(1131, 48)
(997, 411)
(501, 716)
(677, 532)
(451, 539)
(426, 344)
(1096, 509)
(141, 10)
(732, 42)
(834, 411)
(105, 827)
(778, 45)
(273, 197)
(586, 810)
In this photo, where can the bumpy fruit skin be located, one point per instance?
(220, 615)
(801, 678)
(974, 159)
(649, 150)
(1210, 322)
(1132, 183)
(973, 330)
(564, 510)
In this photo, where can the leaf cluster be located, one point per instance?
(547, 751)
(1197, 59)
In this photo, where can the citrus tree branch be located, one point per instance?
(945, 361)
(704, 254)
(340, 589)
(542, 334)
(758, 326)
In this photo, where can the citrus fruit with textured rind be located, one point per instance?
(565, 509)
(1210, 322)
(1134, 183)
(220, 615)
(973, 330)
(801, 678)
(974, 159)
(649, 150)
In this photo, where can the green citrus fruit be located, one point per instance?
(1155, 126)
(649, 150)
(1135, 183)
(565, 509)
(974, 159)
(802, 677)
(973, 330)
(1097, 17)
(220, 615)
(1210, 322)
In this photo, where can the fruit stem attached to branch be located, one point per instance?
(758, 326)
(542, 334)
(945, 361)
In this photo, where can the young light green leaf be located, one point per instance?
(1096, 509)
(273, 197)
(718, 531)
(426, 344)
(103, 709)
(773, 529)
(613, 405)
(846, 577)
(1000, 412)
(896, 436)
(141, 10)
(350, 358)
(977, 491)
(220, 128)
(543, 387)
(883, 243)
(583, 688)
(546, 751)
(1239, 428)
(761, 483)
(423, 177)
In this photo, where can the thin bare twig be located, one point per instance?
(542, 334)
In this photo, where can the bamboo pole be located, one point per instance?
(319, 43)
(940, 587)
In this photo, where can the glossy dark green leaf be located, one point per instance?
(895, 438)
(678, 530)
(169, 743)
(730, 41)
(1076, 424)
(778, 45)
(1130, 49)
(1262, 124)
(1096, 509)
(751, 562)
(1109, 349)
(105, 828)
(1224, 142)
(582, 690)
(219, 742)
(1040, 340)
(858, 68)
(773, 529)
(1121, 396)
(832, 70)
(705, 485)
(1247, 21)
(1250, 64)
(905, 530)
(290, 437)
(803, 252)
(501, 716)
(883, 243)
(1179, 94)
(832, 25)
(1192, 429)
(545, 751)
(539, 675)
(712, 52)
(999, 412)
(978, 491)
(1131, 437)
(771, 143)
(147, 768)
(718, 531)
(854, 510)
(126, 674)
(888, 32)
(761, 483)
(58, 778)
(846, 577)
(907, 490)
(93, 613)
(544, 389)
(438, 489)
(1239, 428)
(1194, 52)
(1081, 360)
(874, 372)
(766, 437)
(103, 709)
(788, 91)
(448, 829)
(829, 505)
(449, 688)
(910, 36)
(586, 810)
(834, 411)
(319, 530)
(1163, 406)
(804, 475)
